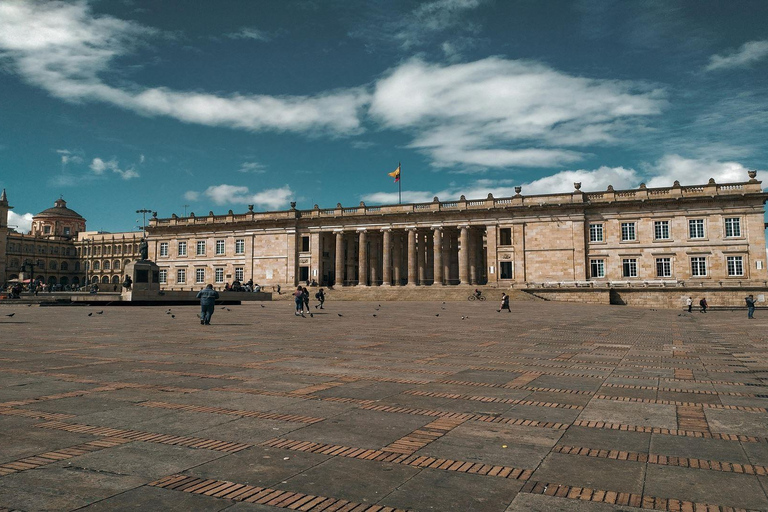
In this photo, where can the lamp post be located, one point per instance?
(144, 213)
(88, 249)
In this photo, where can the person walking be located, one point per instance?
(703, 304)
(504, 303)
(298, 298)
(305, 298)
(750, 307)
(320, 296)
(689, 303)
(207, 298)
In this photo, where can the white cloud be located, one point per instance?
(68, 157)
(65, 49)
(272, 199)
(191, 195)
(22, 223)
(433, 17)
(662, 173)
(690, 171)
(250, 33)
(499, 113)
(98, 166)
(252, 167)
(748, 53)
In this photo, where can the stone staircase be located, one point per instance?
(406, 293)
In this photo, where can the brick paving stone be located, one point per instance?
(409, 410)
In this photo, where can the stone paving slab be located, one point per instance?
(263, 411)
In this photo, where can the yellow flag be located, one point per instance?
(395, 174)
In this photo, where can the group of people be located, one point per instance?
(237, 286)
(702, 304)
(301, 299)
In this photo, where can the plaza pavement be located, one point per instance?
(376, 408)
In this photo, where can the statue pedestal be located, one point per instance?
(146, 279)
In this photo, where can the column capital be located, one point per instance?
(386, 230)
(361, 230)
(436, 228)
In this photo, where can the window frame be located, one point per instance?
(629, 225)
(182, 248)
(735, 222)
(703, 229)
(200, 248)
(221, 247)
(181, 276)
(163, 251)
(659, 227)
(163, 276)
(696, 266)
(239, 271)
(218, 275)
(597, 263)
(628, 265)
(240, 246)
(736, 258)
(599, 229)
(505, 237)
(198, 273)
(666, 266)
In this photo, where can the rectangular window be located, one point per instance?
(239, 274)
(629, 267)
(219, 275)
(698, 266)
(595, 232)
(506, 269)
(200, 248)
(628, 231)
(67, 231)
(163, 248)
(663, 267)
(182, 248)
(661, 230)
(732, 226)
(735, 265)
(181, 276)
(163, 276)
(240, 246)
(597, 268)
(505, 236)
(304, 244)
(220, 244)
(696, 228)
(199, 275)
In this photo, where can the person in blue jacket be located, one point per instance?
(207, 298)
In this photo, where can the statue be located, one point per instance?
(144, 249)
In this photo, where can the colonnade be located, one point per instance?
(403, 257)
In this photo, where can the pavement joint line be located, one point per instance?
(670, 432)
(512, 401)
(308, 390)
(190, 374)
(38, 415)
(43, 459)
(407, 459)
(232, 412)
(288, 394)
(224, 489)
(423, 436)
(663, 460)
(151, 437)
(624, 499)
(686, 404)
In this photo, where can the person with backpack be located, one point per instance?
(750, 307)
(703, 304)
(320, 296)
(504, 303)
(298, 297)
(305, 298)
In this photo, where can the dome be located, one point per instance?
(59, 210)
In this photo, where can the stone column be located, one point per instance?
(350, 257)
(375, 260)
(339, 262)
(437, 253)
(430, 258)
(386, 265)
(472, 256)
(422, 248)
(362, 278)
(413, 270)
(397, 258)
(464, 256)
(447, 243)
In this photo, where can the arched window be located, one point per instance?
(64, 266)
(96, 265)
(115, 279)
(52, 280)
(75, 280)
(95, 280)
(108, 250)
(14, 263)
(116, 265)
(77, 266)
(105, 280)
(106, 264)
(52, 265)
(64, 281)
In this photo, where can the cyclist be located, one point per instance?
(478, 293)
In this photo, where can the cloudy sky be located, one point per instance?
(198, 106)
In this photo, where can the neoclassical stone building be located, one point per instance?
(59, 251)
(680, 235)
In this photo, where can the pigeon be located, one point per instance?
(99, 312)
(437, 314)
(498, 311)
(173, 316)
(29, 305)
(10, 315)
(463, 317)
(312, 315)
(167, 312)
(441, 307)
(443, 302)
(262, 305)
(339, 314)
(374, 315)
(90, 314)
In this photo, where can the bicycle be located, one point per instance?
(477, 297)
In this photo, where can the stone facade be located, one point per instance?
(693, 236)
(669, 236)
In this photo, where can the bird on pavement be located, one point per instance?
(10, 315)
(99, 312)
(90, 314)
(339, 314)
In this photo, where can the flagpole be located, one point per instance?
(400, 185)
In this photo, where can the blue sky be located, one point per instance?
(123, 105)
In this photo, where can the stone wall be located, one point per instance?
(675, 298)
(588, 296)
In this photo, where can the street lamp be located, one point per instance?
(144, 213)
